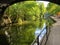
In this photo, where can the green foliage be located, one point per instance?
(22, 35)
(29, 16)
(53, 8)
(42, 8)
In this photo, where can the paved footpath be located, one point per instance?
(54, 37)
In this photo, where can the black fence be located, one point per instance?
(44, 38)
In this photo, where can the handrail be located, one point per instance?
(37, 38)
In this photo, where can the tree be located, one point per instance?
(42, 12)
(27, 12)
(52, 8)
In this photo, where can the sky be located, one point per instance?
(45, 3)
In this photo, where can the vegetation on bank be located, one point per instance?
(27, 16)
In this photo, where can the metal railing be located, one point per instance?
(44, 38)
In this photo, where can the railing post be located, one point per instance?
(46, 31)
(46, 34)
(38, 40)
